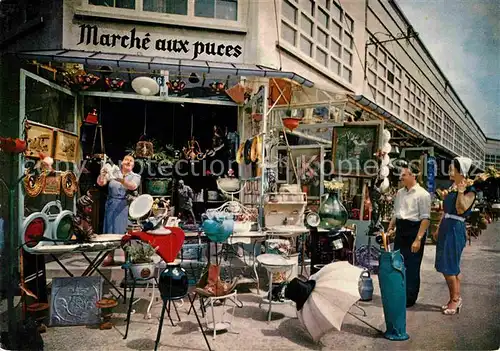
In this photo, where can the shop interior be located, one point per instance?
(171, 127)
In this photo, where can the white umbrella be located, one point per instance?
(328, 295)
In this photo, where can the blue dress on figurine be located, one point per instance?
(452, 235)
(116, 210)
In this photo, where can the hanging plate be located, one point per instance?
(141, 206)
(34, 184)
(69, 183)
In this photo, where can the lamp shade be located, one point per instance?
(145, 86)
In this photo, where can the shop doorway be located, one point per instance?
(171, 127)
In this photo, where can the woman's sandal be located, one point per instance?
(450, 311)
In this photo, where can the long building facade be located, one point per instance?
(352, 44)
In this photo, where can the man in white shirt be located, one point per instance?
(411, 218)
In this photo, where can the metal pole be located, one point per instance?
(10, 253)
(265, 112)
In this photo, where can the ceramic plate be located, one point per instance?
(141, 206)
(160, 231)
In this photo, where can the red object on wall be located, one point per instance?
(34, 232)
(92, 117)
(166, 246)
(11, 145)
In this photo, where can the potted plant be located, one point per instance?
(140, 256)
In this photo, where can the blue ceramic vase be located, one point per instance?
(393, 290)
(173, 282)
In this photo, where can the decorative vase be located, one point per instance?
(156, 186)
(332, 213)
(142, 270)
(173, 282)
(365, 286)
(392, 281)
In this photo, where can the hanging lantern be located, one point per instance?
(114, 83)
(176, 86)
(291, 123)
(92, 117)
(218, 87)
(193, 78)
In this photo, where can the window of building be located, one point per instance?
(122, 4)
(289, 12)
(307, 25)
(347, 57)
(335, 66)
(322, 38)
(349, 23)
(308, 6)
(336, 12)
(323, 18)
(306, 45)
(321, 57)
(288, 33)
(390, 77)
(220, 9)
(177, 7)
(321, 32)
(324, 3)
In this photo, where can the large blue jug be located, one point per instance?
(391, 279)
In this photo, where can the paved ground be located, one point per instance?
(477, 327)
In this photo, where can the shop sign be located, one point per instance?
(93, 37)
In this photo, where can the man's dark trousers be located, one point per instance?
(406, 233)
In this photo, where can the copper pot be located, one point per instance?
(144, 149)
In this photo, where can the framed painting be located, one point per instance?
(354, 146)
(52, 185)
(40, 139)
(66, 146)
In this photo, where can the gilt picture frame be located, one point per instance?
(354, 148)
(40, 140)
(66, 146)
(52, 185)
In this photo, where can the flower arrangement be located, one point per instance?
(279, 246)
(333, 185)
(310, 174)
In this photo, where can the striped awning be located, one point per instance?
(160, 63)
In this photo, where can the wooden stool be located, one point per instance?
(106, 306)
(36, 310)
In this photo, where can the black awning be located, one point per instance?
(160, 63)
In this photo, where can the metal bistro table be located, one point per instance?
(272, 263)
(101, 247)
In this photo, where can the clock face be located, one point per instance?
(312, 219)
